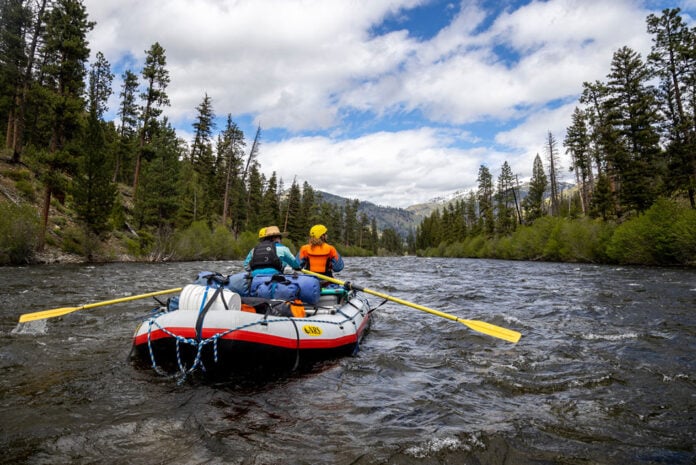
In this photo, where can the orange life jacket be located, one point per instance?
(318, 257)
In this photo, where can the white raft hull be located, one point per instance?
(227, 342)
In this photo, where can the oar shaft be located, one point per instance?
(130, 298)
(64, 311)
(480, 326)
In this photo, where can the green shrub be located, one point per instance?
(194, 243)
(74, 241)
(247, 241)
(27, 189)
(18, 174)
(19, 230)
(222, 244)
(664, 235)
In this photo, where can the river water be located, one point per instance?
(605, 372)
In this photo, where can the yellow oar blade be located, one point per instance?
(492, 330)
(65, 310)
(47, 314)
(480, 326)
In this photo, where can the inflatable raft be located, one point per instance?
(272, 325)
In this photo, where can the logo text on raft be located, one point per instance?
(311, 330)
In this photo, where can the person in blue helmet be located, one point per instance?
(270, 256)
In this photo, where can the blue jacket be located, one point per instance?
(286, 258)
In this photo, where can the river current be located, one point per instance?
(605, 372)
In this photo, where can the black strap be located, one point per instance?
(202, 313)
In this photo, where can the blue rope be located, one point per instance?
(205, 297)
(197, 362)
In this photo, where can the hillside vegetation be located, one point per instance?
(74, 184)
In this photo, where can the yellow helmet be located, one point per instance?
(269, 231)
(317, 231)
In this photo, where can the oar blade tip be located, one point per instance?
(27, 317)
(493, 330)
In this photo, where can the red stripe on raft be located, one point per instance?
(249, 336)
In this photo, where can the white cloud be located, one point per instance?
(303, 65)
(391, 168)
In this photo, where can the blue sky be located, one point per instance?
(395, 102)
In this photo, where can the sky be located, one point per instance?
(395, 102)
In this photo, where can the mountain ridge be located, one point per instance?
(405, 220)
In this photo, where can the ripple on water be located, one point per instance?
(602, 374)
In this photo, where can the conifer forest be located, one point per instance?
(131, 187)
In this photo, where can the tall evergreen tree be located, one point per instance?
(203, 159)
(15, 19)
(484, 197)
(270, 203)
(293, 205)
(255, 185)
(129, 113)
(161, 197)
(94, 192)
(506, 200)
(308, 208)
(229, 153)
(594, 97)
(673, 60)
(374, 237)
(554, 168)
(632, 113)
(533, 204)
(471, 214)
(577, 143)
(350, 222)
(66, 51)
(156, 77)
(18, 23)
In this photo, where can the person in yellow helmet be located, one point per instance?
(318, 255)
(270, 256)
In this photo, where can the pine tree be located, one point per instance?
(94, 192)
(162, 203)
(65, 51)
(255, 186)
(270, 203)
(471, 214)
(485, 201)
(673, 60)
(392, 242)
(189, 193)
(293, 205)
(577, 143)
(602, 203)
(229, 153)
(594, 96)
(308, 208)
(374, 237)
(202, 158)
(350, 222)
(18, 23)
(554, 167)
(632, 114)
(156, 77)
(15, 18)
(364, 228)
(129, 113)
(505, 200)
(430, 233)
(534, 202)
